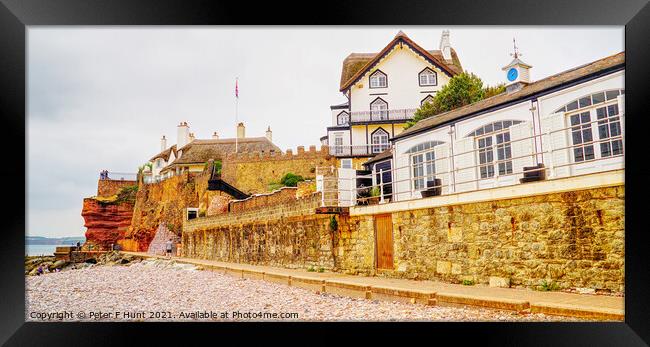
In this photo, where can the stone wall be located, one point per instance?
(288, 235)
(572, 239)
(252, 172)
(112, 187)
(281, 196)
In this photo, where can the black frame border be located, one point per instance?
(16, 15)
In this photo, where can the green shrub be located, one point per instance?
(321, 269)
(311, 268)
(127, 194)
(334, 225)
(549, 286)
(375, 191)
(468, 282)
(291, 180)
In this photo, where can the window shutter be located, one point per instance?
(441, 152)
(522, 146)
(555, 144)
(464, 164)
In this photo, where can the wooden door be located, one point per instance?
(384, 241)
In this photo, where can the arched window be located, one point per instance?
(379, 109)
(343, 118)
(428, 99)
(379, 140)
(378, 79)
(422, 161)
(494, 137)
(428, 77)
(581, 113)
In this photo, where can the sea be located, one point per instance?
(40, 249)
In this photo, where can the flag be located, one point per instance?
(236, 89)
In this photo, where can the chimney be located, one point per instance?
(163, 143)
(241, 130)
(269, 134)
(445, 46)
(183, 135)
(215, 136)
(191, 137)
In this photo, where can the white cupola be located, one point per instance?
(517, 72)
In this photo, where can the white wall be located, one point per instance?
(402, 67)
(536, 123)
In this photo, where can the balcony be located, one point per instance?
(382, 116)
(357, 151)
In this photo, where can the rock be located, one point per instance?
(499, 282)
(106, 223)
(586, 290)
(58, 265)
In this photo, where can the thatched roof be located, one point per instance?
(597, 67)
(200, 151)
(356, 64)
(165, 154)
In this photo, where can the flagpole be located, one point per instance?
(236, 114)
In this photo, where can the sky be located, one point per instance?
(102, 97)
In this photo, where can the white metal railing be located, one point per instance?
(332, 192)
(357, 150)
(117, 176)
(382, 115)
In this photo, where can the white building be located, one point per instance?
(383, 90)
(190, 154)
(568, 124)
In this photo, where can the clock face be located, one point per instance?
(512, 74)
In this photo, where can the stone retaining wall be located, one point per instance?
(111, 187)
(569, 239)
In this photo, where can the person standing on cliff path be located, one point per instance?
(168, 247)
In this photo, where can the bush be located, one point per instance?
(311, 268)
(334, 225)
(468, 282)
(127, 194)
(321, 269)
(549, 286)
(291, 180)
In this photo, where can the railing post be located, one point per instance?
(551, 167)
(381, 185)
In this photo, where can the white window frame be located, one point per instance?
(345, 116)
(346, 163)
(429, 98)
(380, 145)
(431, 77)
(376, 80)
(592, 125)
(338, 148)
(379, 108)
(497, 144)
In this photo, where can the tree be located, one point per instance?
(462, 89)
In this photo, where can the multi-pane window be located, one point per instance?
(379, 109)
(609, 126)
(379, 141)
(338, 144)
(581, 136)
(491, 138)
(595, 125)
(423, 167)
(343, 118)
(378, 80)
(428, 77)
(428, 99)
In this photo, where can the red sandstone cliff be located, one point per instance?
(107, 221)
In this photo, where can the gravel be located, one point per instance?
(163, 290)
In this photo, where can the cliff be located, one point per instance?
(107, 220)
(162, 203)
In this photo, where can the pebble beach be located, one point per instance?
(164, 290)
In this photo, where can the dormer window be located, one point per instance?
(428, 99)
(378, 109)
(343, 118)
(378, 79)
(428, 77)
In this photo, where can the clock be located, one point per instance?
(512, 74)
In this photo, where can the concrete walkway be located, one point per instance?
(597, 307)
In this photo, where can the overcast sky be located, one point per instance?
(100, 98)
